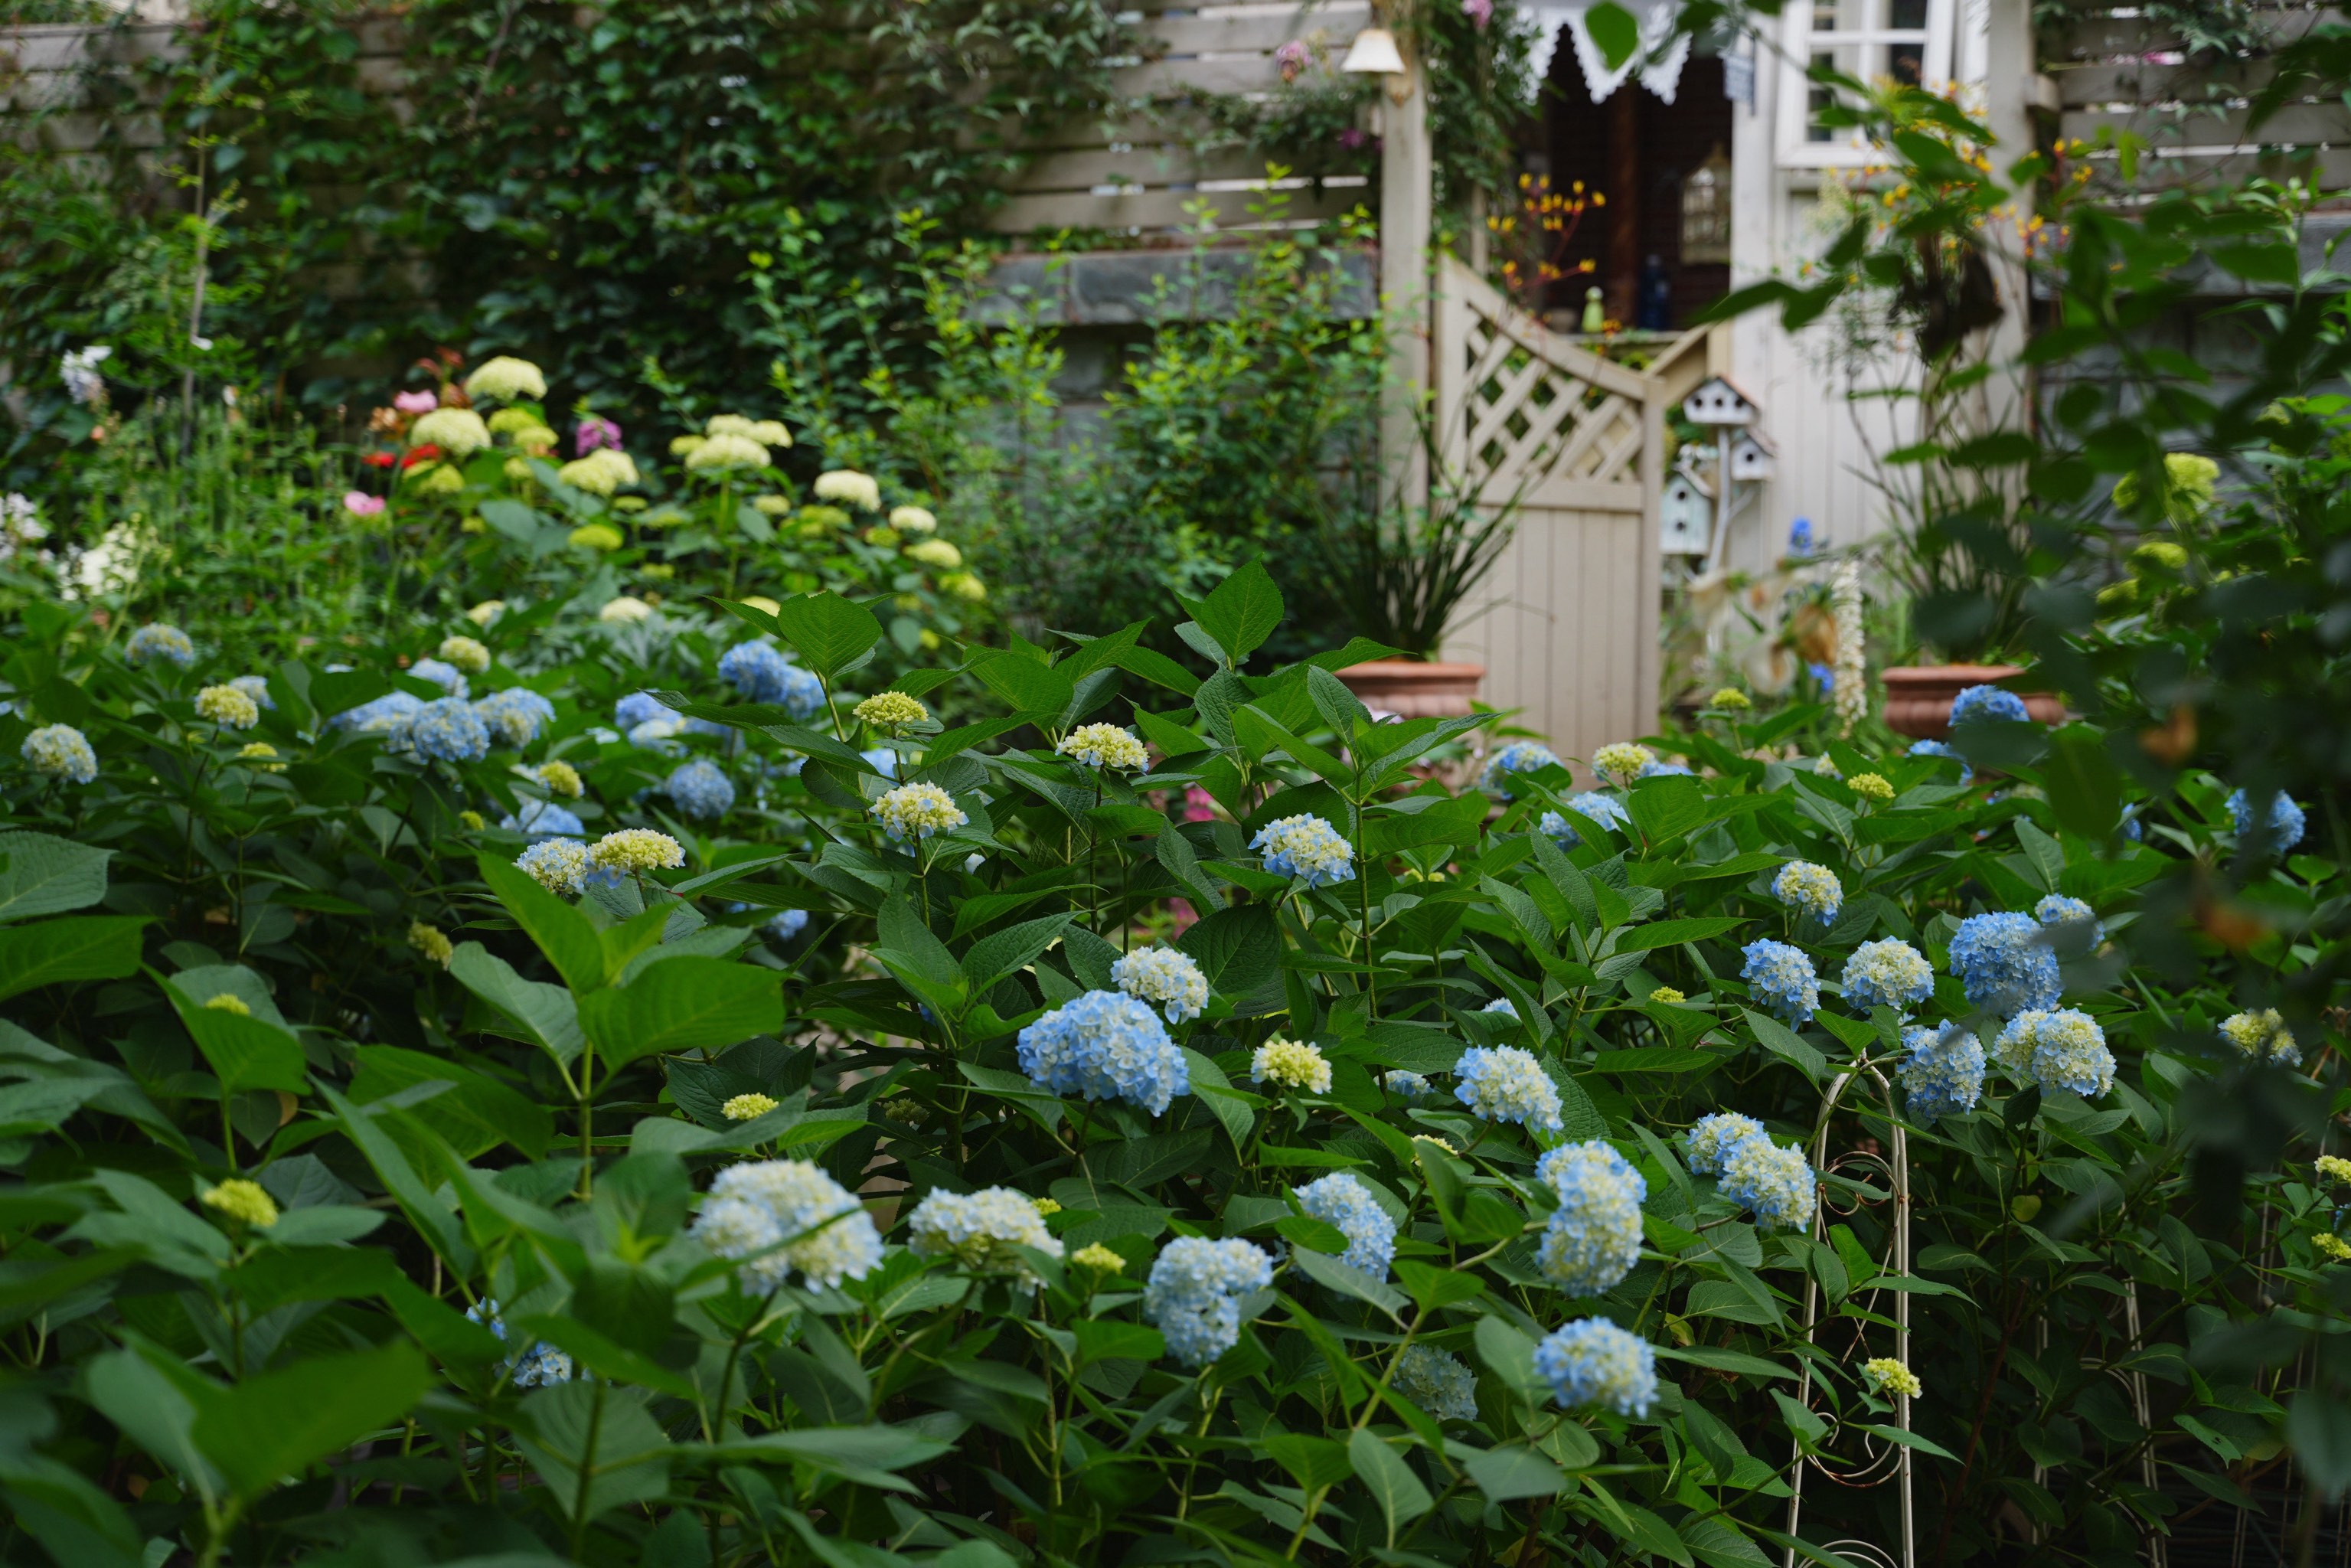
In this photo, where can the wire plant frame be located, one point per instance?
(1871, 1462)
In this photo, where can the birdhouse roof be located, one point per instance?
(1762, 443)
(1715, 390)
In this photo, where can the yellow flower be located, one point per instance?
(228, 707)
(965, 585)
(746, 1107)
(601, 473)
(230, 1002)
(597, 536)
(1623, 760)
(881, 537)
(258, 753)
(761, 602)
(626, 607)
(890, 710)
(466, 654)
(1870, 787)
(687, 446)
(470, 822)
(1444, 1144)
(724, 452)
(773, 505)
(559, 779)
(1729, 699)
(514, 421)
(1667, 996)
(472, 526)
(1291, 1064)
(636, 849)
(912, 520)
(1047, 1206)
(1892, 1378)
(430, 942)
(858, 490)
(936, 552)
(504, 379)
(766, 432)
(440, 479)
(537, 441)
(1099, 1258)
(2333, 1246)
(457, 432)
(2334, 1167)
(246, 1202)
(484, 612)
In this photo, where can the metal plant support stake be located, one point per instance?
(1879, 1462)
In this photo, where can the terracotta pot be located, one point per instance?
(1415, 690)
(1919, 697)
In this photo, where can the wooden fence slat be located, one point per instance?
(2104, 37)
(1229, 33)
(1154, 210)
(2296, 125)
(2149, 82)
(1168, 163)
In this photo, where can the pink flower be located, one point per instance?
(1355, 138)
(1478, 11)
(359, 504)
(1199, 806)
(415, 401)
(595, 430)
(1292, 58)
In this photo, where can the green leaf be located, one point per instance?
(567, 936)
(243, 1053)
(1613, 29)
(473, 1115)
(1781, 1040)
(44, 875)
(1237, 949)
(419, 1202)
(279, 1424)
(1673, 932)
(1669, 805)
(682, 1004)
(545, 1014)
(1029, 686)
(79, 948)
(904, 938)
(828, 631)
(1107, 1338)
(2085, 787)
(1505, 1474)
(1242, 612)
(594, 1445)
(1008, 951)
(1390, 1480)
(1208, 1082)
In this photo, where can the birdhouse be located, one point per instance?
(1685, 516)
(1751, 456)
(1717, 402)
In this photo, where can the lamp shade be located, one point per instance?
(1373, 53)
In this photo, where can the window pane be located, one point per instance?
(1906, 15)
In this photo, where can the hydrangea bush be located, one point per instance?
(742, 1120)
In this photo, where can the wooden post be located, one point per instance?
(2009, 76)
(1624, 193)
(1408, 197)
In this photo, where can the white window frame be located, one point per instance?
(1798, 40)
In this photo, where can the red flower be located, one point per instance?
(377, 459)
(428, 453)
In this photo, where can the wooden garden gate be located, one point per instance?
(1567, 625)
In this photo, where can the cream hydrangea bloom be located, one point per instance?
(1103, 746)
(467, 653)
(636, 849)
(246, 1202)
(560, 778)
(504, 379)
(747, 1107)
(1291, 1064)
(484, 612)
(890, 710)
(626, 608)
(717, 452)
(1622, 760)
(601, 472)
(912, 519)
(457, 432)
(228, 707)
(936, 552)
(430, 943)
(851, 488)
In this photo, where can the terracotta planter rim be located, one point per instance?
(1438, 669)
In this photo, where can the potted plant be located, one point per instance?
(1402, 572)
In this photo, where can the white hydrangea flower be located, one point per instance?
(1164, 976)
(983, 1229)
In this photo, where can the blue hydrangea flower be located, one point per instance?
(168, 643)
(1593, 1362)
(1306, 848)
(1887, 974)
(558, 865)
(544, 819)
(514, 716)
(1979, 705)
(882, 760)
(1437, 1381)
(763, 675)
(700, 790)
(2005, 964)
(1782, 978)
(2060, 1047)
(1707, 1144)
(1937, 748)
(1519, 756)
(387, 714)
(1812, 892)
(1105, 1046)
(1409, 1086)
(539, 1365)
(1776, 1183)
(1593, 807)
(776, 1216)
(660, 734)
(2072, 919)
(787, 924)
(1654, 769)
(1503, 1083)
(1343, 1201)
(447, 677)
(1943, 1075)
(2286, 826)
(1593, 1237)
(446, 730)
(636, 708)
(1501, 1005)
(257, 688)
(2132, 828)
(1195, 1292)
